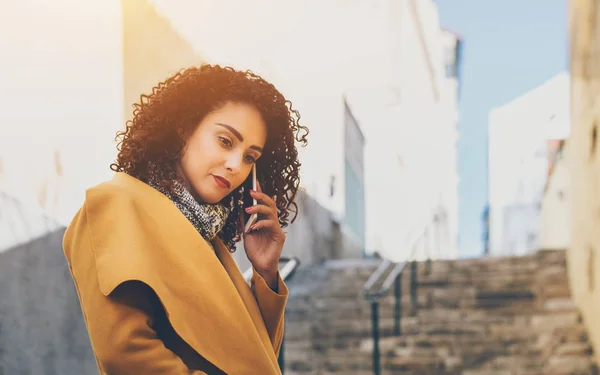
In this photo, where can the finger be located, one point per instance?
(274, 197)
(265, 224)
(262, 209)
(263, 198)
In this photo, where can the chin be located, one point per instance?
(207, 194)
(210, 197)
(213, 201)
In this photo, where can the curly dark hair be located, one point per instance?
(153, 141)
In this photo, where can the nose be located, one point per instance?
(233, 163)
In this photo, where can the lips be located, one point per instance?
(222, 182)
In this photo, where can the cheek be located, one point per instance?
(193, 165)
(200, 153)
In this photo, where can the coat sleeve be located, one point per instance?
(120, 325)
(272, 306)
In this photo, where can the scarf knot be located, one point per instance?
(208, 219)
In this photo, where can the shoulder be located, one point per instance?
(122, 194)
(110, 206)
(114, 231)
(119, 191)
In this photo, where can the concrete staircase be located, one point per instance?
(474, 317)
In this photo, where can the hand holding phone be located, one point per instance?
(264, 238)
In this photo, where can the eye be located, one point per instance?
(250, 159)
(225, 142)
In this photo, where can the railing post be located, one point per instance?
(375, 321)
(429, 250)
(413, 286)
(398, 306)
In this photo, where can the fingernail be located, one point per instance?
(252, 191)
(248, 209)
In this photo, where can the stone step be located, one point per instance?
(557, 276)
(432, 322)
(469, 266)
(488, 284)
(344, 362)
(477, 353)
(401, 344)
(441, 307)
(538, 260)
(482, 316)
(570, 337)
(571, 365)
(484, 360)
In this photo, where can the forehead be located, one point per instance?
(244, 118)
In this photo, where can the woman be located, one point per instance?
(150, 250)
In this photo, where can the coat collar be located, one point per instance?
(139, 234)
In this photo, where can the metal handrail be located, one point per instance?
(286, 272)
(393, 279)
(384, 266)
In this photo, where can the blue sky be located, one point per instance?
(510, 47)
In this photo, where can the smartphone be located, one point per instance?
(254, 217)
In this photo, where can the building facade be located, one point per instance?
(522, 141)
(354, 174)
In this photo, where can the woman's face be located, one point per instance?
(219, 154)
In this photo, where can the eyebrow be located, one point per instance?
(239, 136)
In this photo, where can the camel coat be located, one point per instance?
(155, 296)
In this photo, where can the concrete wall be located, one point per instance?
(42, 330)
(20, 223)
(584, 162)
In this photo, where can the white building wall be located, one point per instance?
(518, 160)
(450, 116)
(426, 135)
(61, 96)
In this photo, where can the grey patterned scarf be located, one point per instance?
(208, 219)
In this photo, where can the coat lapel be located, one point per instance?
(139, 234)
